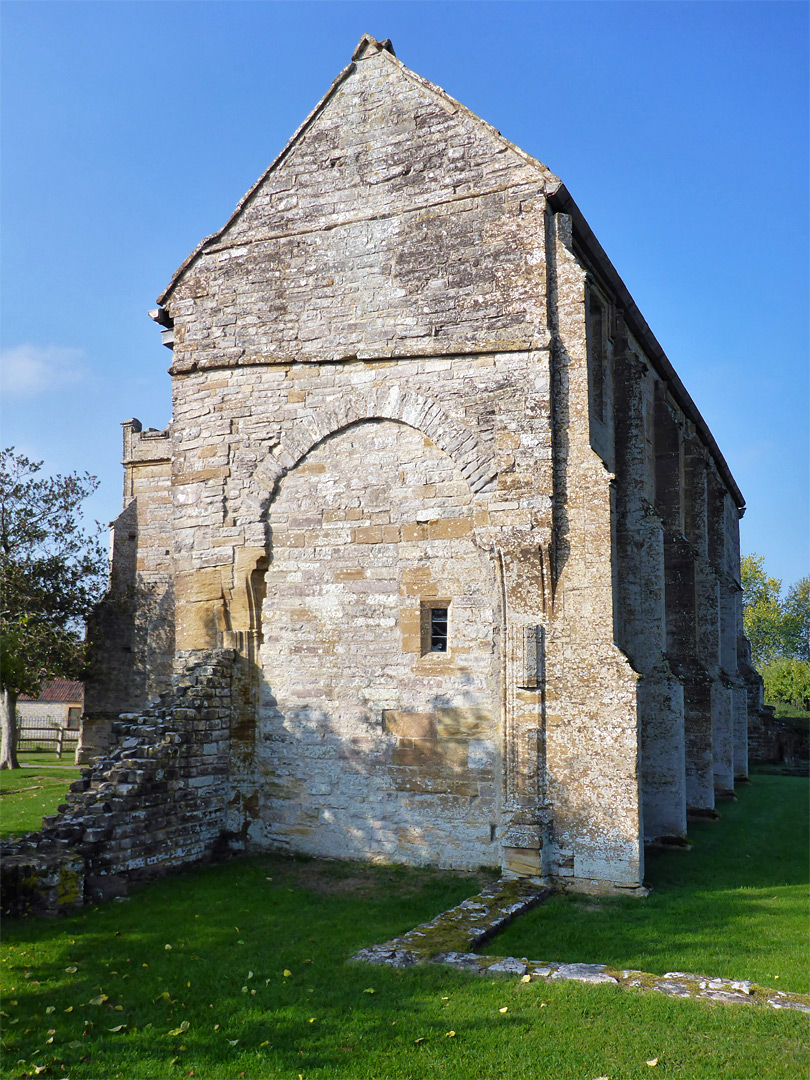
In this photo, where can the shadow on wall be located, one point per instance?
(131, 631)
(417, 787)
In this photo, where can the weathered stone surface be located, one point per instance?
(408, 385)
(171, 813)
(587, 973)
(419, 946)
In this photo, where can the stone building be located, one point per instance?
(432, 480)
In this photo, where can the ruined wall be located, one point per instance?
(157, 800)
(132, 630)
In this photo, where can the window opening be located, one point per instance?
(438, 629)
(597, 328)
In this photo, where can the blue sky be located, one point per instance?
(130, 130)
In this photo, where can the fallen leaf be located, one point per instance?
(119, 1008)
(504, 1009)
(652, 1062)
(244, 989)
(286, 973)
(250, 976)
(180, 1030)
(50, 1009)
(120, 1027)
(265, 1043)
(446, 998)
(72, 969)
(449, 1034)
(216, 1027)
(543, 1004)
(233, 1042)
(98, 1000)
(167, 948)
(69, 1008)
(312, 1019)
(369, 990)
(526, 978)
(420, 1039)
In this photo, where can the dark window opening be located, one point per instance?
(438, 629)
(596, 344)
(74, 716)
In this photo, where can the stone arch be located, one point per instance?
(456, 439)
(366, 533)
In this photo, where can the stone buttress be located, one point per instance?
(433, 481)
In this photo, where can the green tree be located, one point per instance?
(787, 682)
(763, 617)
(52, 572)
(797, 619)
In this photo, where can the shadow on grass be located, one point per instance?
(734, 906)
(256, 970)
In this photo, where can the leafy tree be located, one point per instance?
(52, 572)
(797, 619)
(787, 681)
(763, 617)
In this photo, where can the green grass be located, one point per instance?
(29, 794)
(238, 927)
(736, 905)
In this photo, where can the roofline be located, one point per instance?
(367, 44)
(164, 296)
(562, 202)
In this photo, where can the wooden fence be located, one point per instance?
(57, 738)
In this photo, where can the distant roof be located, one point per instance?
(58, 690)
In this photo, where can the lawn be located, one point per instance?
(240, 970)
(30, 793)
(736, 905)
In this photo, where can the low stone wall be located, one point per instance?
(157, 800)
(772, 741)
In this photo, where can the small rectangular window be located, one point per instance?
(438, 629)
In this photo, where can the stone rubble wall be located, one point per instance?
(132, 630)
(157, 800)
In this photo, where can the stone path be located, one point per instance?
(450, 938)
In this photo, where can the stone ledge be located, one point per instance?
(447, 940)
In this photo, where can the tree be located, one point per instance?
(797, 619)
(787, 682)
(763, 618)
(52, 572)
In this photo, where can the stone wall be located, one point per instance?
(405, 375)
(157, 800)
(134, 626)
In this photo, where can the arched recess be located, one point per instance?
(474, 461)
(369, 744)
